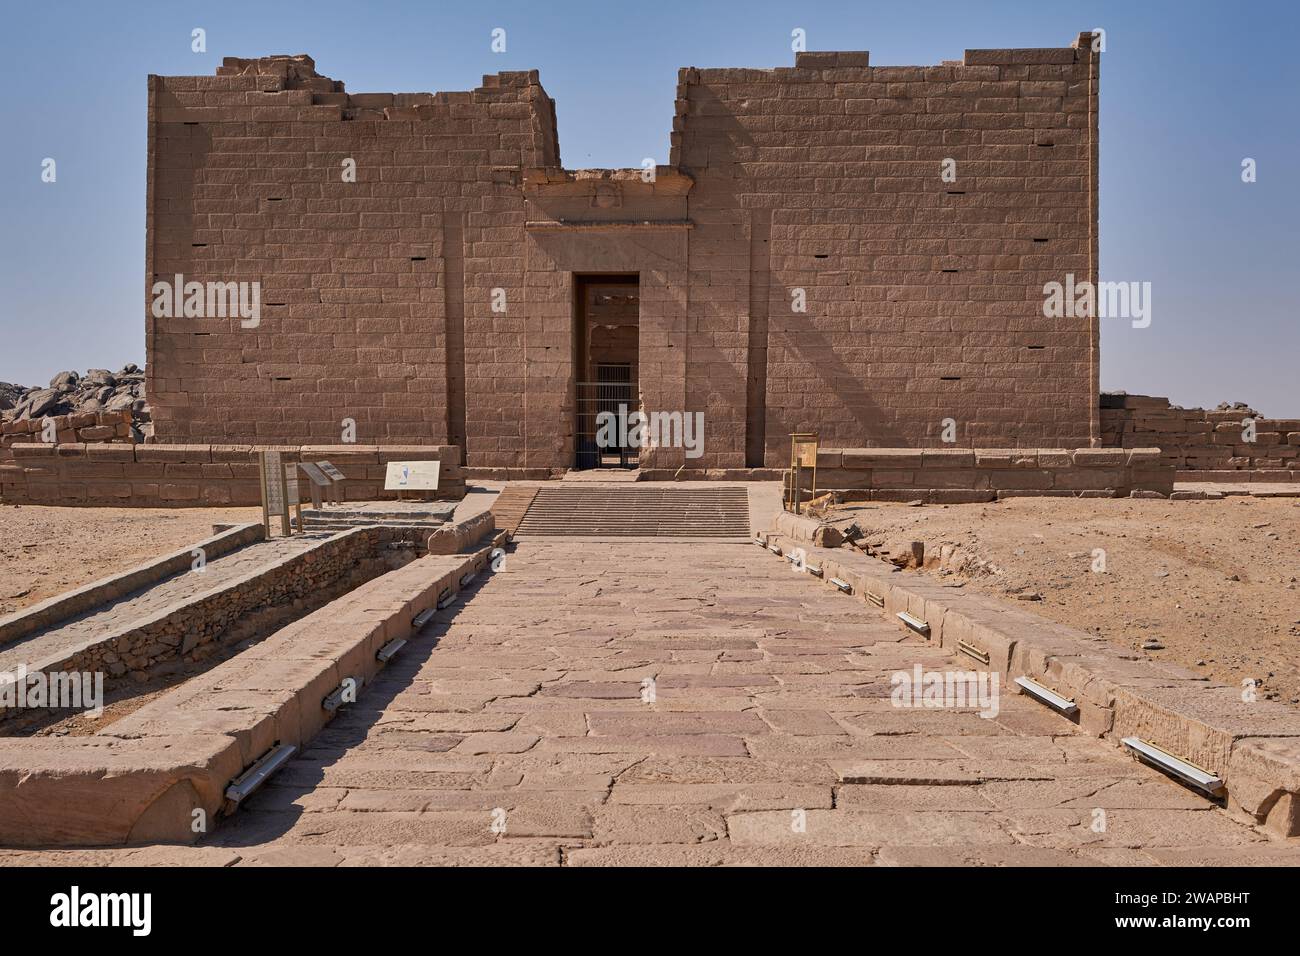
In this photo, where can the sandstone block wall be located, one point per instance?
(431, 300)
(87, 427)
(173, 476)
(371, 289)
(959, 476)
(924, 298)
(1204, 445)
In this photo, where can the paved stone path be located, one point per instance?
(771, 740)
(522, 737)
(170, 592)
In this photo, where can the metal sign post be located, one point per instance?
(318, 481)
(336, 477)
(291, 498)
(274, 498)
(803, 457)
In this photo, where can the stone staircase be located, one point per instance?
(618, 512)
(429, 518)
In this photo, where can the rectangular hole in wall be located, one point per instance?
(956, 192)
(1040, 240)
(418, 258)
(1035, 348)
(950, 378)
(950, 270)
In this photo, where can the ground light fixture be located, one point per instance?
(389, 650)
(335, 700)
(1184, 770)
(972, 651)
(251, 779)
(420, 620)
(842, 585)
(915, 623)
(1047, 696)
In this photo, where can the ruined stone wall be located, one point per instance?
(191, 476)
(924, 298)
(1204, 445)
(371, 290)
(86, 427)
(968, 475)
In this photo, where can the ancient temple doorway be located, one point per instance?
(607, 329)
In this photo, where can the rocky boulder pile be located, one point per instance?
(97, 406)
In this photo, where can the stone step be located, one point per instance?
(616, 512)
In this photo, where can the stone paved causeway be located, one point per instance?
(772, 708)
(522, 737)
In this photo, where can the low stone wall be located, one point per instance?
(88, 427)
(192, 630)
(63, 606)
(153, 476)
(143, 779)
(1253, 747)
(965, 475)
(1204, 445)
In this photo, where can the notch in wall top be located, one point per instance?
(1045, 56)
(831, 60)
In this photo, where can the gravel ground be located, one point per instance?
(1213, 582)
(45, 551)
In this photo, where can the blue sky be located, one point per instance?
(1188, 91)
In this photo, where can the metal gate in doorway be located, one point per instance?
(603, 409)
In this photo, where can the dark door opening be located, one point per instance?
(607, 310)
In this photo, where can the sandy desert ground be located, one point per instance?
(1213, 582)
(45, 551)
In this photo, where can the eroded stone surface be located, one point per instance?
(525, 735)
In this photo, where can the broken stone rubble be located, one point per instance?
(99, 406)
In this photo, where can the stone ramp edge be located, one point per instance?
(145, 778)
(1254, 748)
